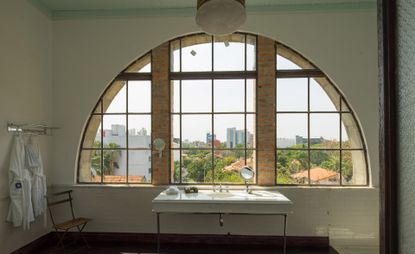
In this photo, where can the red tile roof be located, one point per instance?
(121, 179)
(316, 174)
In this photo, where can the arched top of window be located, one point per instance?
(318, 139)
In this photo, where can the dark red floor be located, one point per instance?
(111, 248)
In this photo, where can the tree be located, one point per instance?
(109, 157)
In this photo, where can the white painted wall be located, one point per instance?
(89, 53)
(25, 97)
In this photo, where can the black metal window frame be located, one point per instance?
(212, 76)
(98, 111)
(311, 74)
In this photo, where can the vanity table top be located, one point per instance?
(234, 201)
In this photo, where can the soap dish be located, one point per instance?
(191, 189)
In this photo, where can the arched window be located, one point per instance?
(116, 145)
(318, 139)
(214, 130)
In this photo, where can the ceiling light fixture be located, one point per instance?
(220, 17)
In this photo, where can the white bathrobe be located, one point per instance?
(20, 209)
(33, 162)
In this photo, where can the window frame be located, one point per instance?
(314, 73)
(124, 76)
(309, 73)
(212, 76)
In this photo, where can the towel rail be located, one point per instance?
(36, 129)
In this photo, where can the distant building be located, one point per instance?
(117, 130)
(139, 161)
(210, 137)
(237, 137)
(285, 142)
(317, 176)
(300, 140)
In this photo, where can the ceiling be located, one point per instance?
(67, 8)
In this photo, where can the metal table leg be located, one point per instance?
(285, 234)
(158, 233)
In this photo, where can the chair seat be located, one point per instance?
(72, 223)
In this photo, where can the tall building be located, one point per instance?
(230, 137)
(210, 137)
(237, 137)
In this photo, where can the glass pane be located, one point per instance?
(139, 131)
(323, 97)
(229, 95)
(197, 96)
(92, 138)
(175, 170)
(175, 131)
(115, 169)
(227, 166)
(195, 129)
(139, 96)
(292, 94)
(229, 53)
(325, 167)
(142, 65)
(250, 53)
(292, 167)
(292, 131)
(175, 56)
(196, 165)
(115, 98)
(90, 166)
(325, 130)
(197, 53)
(230, 130)
(287, 59)
(250, 127)
(250, 95)
(251, 161)
(351, 137)
(139, 166)
(354, 168)
(114, 131)
(175, 96)
(285, 64)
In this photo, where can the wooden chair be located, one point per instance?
(62, 229)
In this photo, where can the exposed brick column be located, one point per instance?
(266, 111)
(160, 125)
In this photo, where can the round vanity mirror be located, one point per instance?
(247, 173)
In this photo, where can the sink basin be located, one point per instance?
(219, 194)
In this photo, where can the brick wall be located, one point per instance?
(266, 111)
(160, 125)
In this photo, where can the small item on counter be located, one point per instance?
(172, 190)
(191, 189)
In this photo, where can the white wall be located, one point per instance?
(89, 53)
(25, 97)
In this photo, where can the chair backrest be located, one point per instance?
(60, 198)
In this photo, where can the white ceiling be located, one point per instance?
(58, 8)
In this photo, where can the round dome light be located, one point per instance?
(220, 17)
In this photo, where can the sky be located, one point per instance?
(228, 96)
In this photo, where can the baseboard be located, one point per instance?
(38, 244)
(298, 241)
(210, 239)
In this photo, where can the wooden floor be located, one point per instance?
(106, 248)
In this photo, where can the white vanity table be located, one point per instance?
(259, 202)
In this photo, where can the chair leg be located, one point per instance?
(60, 240)
(80, 229)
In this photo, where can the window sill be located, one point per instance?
(207, 187)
